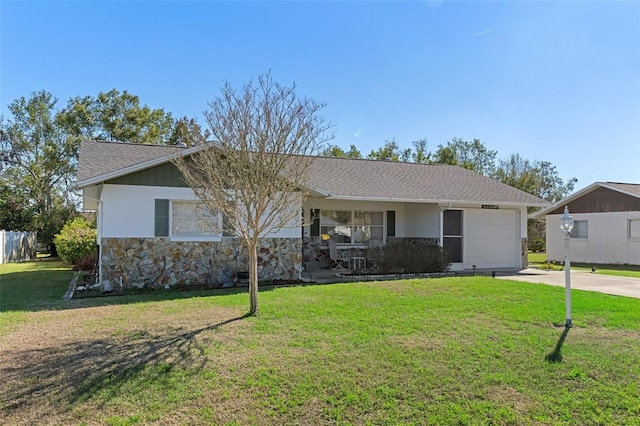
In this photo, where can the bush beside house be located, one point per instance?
(76, 243)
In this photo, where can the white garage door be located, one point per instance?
(491, 239)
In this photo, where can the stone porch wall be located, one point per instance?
(428, 240)
(524, 253)
(160, 262)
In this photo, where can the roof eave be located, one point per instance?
(435, 201)
(539, 214)
(622, 191)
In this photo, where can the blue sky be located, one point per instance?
(554, 81)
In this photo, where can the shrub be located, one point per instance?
(76, 241)
(408, 256)
(87, 263)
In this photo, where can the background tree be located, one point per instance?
(390, 151)
(116, 116)
(420, 153)
(39, 151)
(188, 132)
(38, 158)
(472, 155)
(539, 178)
(256, 172)
(15, 212)
(445, 155)
(336, 151)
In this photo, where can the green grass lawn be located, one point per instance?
(472, 350)
(539, 260)
(33, 285)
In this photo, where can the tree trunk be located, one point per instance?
(253, 278)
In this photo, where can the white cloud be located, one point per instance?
(481, 33)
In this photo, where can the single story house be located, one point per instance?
(147, 231)
(606, 224)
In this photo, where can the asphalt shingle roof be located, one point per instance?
(345, 177)
(631, 188)
(338, 177)
(99, 158)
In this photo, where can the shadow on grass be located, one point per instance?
(556, 355)
(59, 376)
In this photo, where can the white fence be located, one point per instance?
(17, 246)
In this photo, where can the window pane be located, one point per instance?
(364, 234)
(377, 233)
(182, 226)
(452, 246)
(335, 225)
(338, 226)
(580, 229)
(368, 218)
(331, 217)
(452, 222)
(634, 228)
(361, 234)
(339, 234)
(192, 218)
(184, 209)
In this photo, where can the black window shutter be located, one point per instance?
(162, 218)
(391, 223)
(315, 222)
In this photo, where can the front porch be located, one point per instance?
(316, 253)
(487, 236)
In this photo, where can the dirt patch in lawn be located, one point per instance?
(59, 358)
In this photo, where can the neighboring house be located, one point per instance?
(149, 231)
(606, 226)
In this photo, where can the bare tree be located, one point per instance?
(254, 173)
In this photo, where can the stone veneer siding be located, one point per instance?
(158, 262)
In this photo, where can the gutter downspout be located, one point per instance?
(99, 236)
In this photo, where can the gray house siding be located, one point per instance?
(166, 174)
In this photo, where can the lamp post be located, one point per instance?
(566, 225)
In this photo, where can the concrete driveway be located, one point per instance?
(580, 280)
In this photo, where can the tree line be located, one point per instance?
(536, 177)
(39, 146)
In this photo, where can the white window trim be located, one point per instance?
(192, 237)
(629, 237)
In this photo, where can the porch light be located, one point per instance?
(566, 225)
